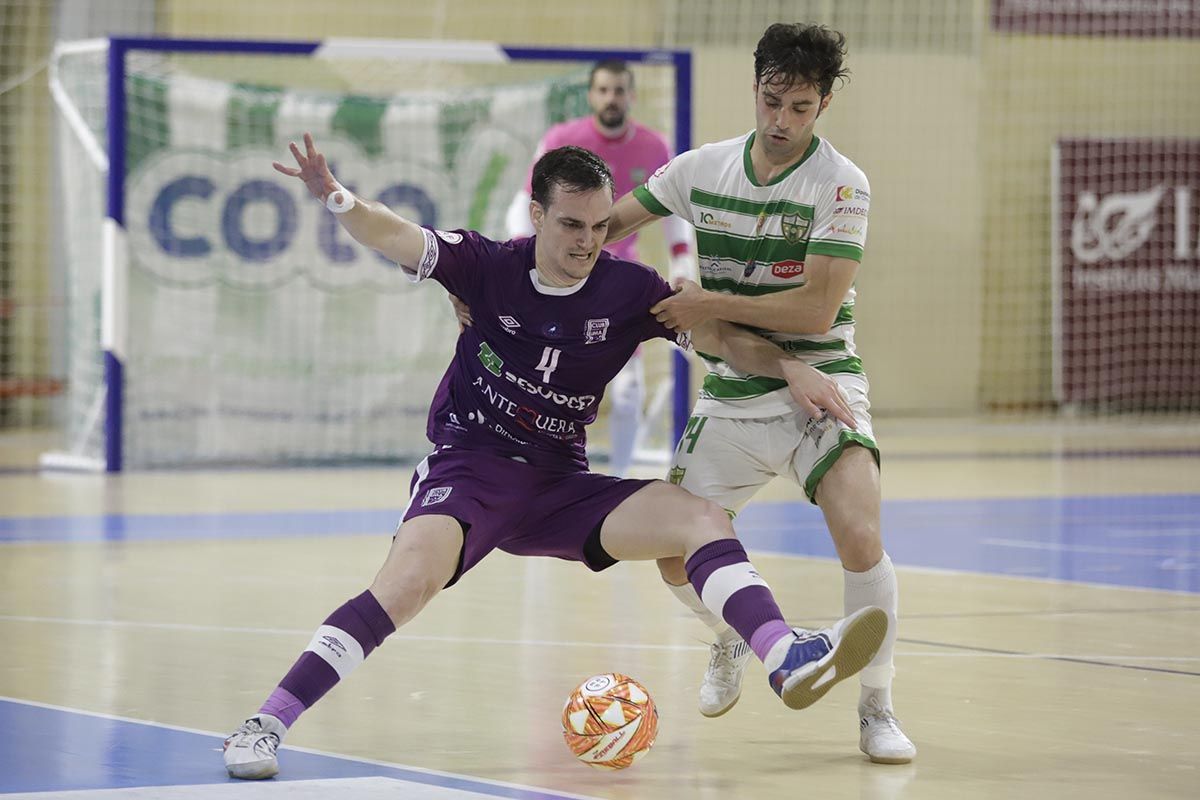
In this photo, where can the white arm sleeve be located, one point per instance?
(516, 220)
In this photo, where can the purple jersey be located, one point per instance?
(528, 375)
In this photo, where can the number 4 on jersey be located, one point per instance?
(549, 362)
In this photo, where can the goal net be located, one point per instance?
(218, 314)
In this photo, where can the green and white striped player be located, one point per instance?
(781, 221)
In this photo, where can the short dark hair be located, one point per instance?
(572, 169)
(798, 53)
(614, 65)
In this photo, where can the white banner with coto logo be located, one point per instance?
(258, 329)
(1127, 311)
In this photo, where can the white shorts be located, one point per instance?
(727, 460)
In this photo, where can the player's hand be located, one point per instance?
(817, 393)
(462, 312)
(312, 169)
(685, 309)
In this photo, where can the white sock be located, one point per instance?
(876, 587)
(687, 595)
(881, 697)
(777, 653)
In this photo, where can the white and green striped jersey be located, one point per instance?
(752, 239)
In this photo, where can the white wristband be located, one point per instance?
(347, 200)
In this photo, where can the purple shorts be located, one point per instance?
(521, 509)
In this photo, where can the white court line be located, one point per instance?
(181, 626)
(225, 629)
(968, 573)
(220, 736)
(1121, 533)
(1025, 544)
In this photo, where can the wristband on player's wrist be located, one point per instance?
(347, 203)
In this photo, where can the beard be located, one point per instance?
(611, 117)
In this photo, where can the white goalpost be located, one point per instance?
(216, 316)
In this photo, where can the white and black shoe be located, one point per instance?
(250, 750)
(880, 736)
(722, 684)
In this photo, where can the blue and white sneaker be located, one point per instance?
(818, 660)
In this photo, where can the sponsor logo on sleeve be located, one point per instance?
(429, 256)
(850, 211)
(435, 496)
(449, 237)
(846, 194)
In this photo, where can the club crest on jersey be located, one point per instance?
(795, 228)
(595, 330)
(675, 475)
(434, 496)
(491, 362)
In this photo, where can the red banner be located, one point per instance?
(1120, 18)
(1127, 311)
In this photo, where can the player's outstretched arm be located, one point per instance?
(628, 215)
(814, 391)
(371, 223)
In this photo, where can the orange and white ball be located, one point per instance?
(610, 721)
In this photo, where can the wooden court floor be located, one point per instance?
(1049, 640)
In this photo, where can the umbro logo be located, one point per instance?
(334, 646)
(510, 323)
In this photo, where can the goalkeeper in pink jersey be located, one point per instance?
(633, 152)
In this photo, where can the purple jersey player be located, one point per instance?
(554, 321)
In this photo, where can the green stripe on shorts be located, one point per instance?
(829, 459)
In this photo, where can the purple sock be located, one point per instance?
(737, 593)
(283, 705)
(328, 657)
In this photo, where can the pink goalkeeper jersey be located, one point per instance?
(632, 157)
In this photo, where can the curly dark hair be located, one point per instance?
(798, 53)
(572, 169)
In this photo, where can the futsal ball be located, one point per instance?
(609, 721)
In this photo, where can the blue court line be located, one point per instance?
(1146, 541)
(45, 748)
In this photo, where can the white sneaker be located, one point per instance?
(722, 684)
(250, 750)
(880, 736)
